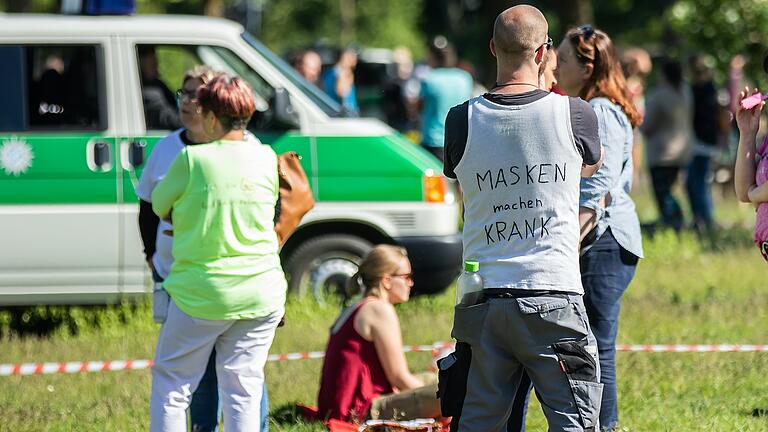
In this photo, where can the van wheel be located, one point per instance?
(322, 265)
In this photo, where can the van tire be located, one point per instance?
(329, 260)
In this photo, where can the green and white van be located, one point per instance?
(73, 139)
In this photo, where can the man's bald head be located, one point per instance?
(519, 30)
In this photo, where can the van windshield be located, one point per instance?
(328, 105)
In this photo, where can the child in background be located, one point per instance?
(752, 167)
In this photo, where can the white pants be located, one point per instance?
(183, 349)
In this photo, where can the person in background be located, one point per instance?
(308, 64)
(160, 110)
(365, 374)
(477, 88)
(706, 131)
(155, 233)
(444, 86)
(667, 130)
(226, 284)
(397, 106)
(339, 82)
(636, 64)
(548, 72)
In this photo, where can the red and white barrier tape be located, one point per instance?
(692, 348)
(435, 349)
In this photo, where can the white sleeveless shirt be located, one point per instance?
(520, 176)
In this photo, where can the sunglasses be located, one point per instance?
(547, 44)
(406, 276)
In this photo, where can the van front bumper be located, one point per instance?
(436, 261)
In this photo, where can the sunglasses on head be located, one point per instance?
(586, 30)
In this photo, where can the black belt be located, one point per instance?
(491, 293)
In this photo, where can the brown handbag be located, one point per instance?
(296, 198)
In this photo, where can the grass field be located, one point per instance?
(687, 291)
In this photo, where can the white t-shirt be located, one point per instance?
(159, 162)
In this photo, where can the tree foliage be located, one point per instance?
(724, 28)
(291, 23)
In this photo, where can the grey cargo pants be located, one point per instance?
(549, 337)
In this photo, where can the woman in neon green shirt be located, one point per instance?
(226, 284)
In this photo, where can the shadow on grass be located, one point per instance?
(48, 320)
(290, 416)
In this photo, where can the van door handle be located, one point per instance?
(99, 155)
(136, 153)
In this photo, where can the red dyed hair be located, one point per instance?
(594, 47)
(230, 98)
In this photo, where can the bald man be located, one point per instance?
(519, 153)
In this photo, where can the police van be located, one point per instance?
(74, 138)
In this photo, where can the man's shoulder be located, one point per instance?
(459, 111)
(577, 103)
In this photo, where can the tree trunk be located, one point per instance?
(348, 17)
(573, 13)
(214, 8)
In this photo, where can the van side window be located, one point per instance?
(52, 87)
(160, 109)
(170, 64)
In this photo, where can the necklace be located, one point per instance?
(497, 85)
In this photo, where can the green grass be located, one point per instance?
(688, 290)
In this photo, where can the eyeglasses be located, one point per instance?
(189, 94)
(586, 30)
(406, 276)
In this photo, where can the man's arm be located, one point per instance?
(148, 222)
(586, 135)
(589, 170)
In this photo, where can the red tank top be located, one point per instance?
(352, 375)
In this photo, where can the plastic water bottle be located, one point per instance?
(470, 284)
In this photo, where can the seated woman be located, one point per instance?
(365, 374)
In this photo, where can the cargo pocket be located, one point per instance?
(556, 317)
(542, 305)
(453, 371)
(468, 322)
(160, 303)
(580, 366)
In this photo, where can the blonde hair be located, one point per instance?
(381, 261)
(203, 73)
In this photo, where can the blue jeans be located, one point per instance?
(697, 187)
(606, 271)
(663, 179)
(204, 408)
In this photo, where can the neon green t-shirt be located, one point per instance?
(222, 197)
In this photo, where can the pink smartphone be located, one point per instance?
(754, 100)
